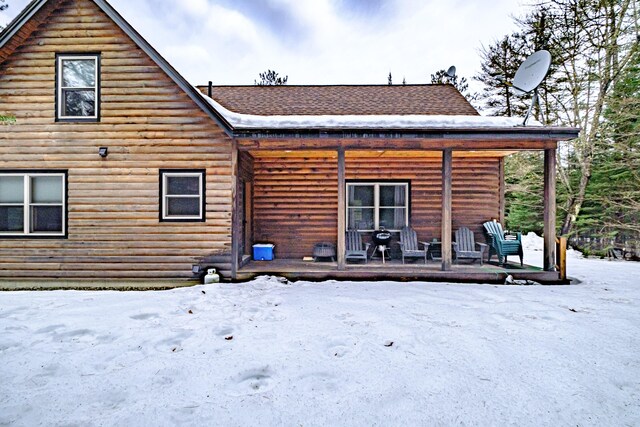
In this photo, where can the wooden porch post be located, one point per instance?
(502, 190)
(549, 253)
(446, 209)
(341, 210)
(235, 226)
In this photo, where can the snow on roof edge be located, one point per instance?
(251, 121)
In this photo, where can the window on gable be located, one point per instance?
(372, 205)
(183, 195)
(32, 204)
(77, 87)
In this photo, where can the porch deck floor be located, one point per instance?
(395, 270)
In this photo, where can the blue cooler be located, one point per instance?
(263, 251)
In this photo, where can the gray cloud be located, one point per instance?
(276, 18)
(316, 41)
(367, 8)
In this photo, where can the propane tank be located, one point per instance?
(211, 277)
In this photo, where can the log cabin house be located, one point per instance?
(114, 167)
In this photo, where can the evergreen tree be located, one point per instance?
(271, 78)
(524, 191)
(500, 61)
(611, 211)
(389, 79)
(441, 77)
(3, 6)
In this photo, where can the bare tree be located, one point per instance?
(599, 40)
(591, 42)
(271, 78)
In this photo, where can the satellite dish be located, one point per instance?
(529, 76)
(451, 72)
(532, 71)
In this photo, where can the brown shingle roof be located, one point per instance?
(342, 100)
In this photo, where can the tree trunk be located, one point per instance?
(574, 203)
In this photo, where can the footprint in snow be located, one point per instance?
(144, 316)
(252, 381)
(50, 328)
(341, 347)
(223, 330)
(346, 318)
(342, 316)
(273, 301)
(315, 382)
(259, 313)
(74, 336)
(6, 345)
(173, 344)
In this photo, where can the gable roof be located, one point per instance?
(14, 28)
(341, 111)
(430, 99)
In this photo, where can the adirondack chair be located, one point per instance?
(409, 245)
(500, 244)
(354, 251)
(465, 246)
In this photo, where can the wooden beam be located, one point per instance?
(561, 253)
(341, 210)
(446, 209)
(235, 215)
(501, 190)
(549, 254)
(375, 154)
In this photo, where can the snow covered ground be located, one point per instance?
(330, 353)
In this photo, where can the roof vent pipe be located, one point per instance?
(210, 90)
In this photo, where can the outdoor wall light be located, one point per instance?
(103, 151)
(195, 268)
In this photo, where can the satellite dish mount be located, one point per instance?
(534, 100)
(529, 76)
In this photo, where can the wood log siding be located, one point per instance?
(147, 122)
(295, 204)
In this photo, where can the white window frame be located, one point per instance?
(59, 88)
(165, 206)
(376, 200)
(27, 204)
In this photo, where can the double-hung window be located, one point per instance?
(183, 195)
(372, 205)
(78, 87)
(32, 204)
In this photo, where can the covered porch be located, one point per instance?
(295, 194)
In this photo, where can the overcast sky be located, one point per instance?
(317, 41)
